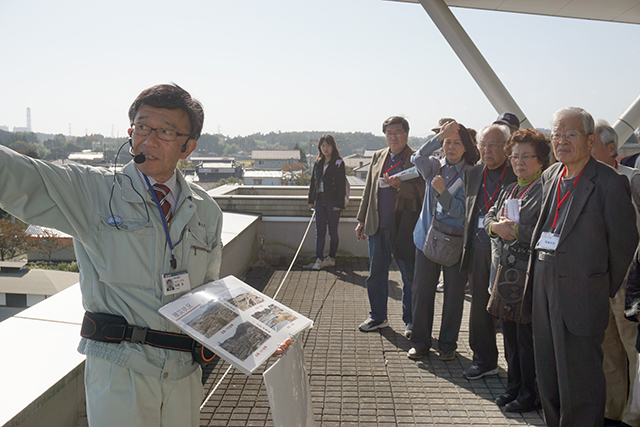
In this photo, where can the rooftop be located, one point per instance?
(275, 154)
(360, 378)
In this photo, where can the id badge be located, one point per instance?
(548, 241)
(438, 207)
(175, 283)
(481, 221)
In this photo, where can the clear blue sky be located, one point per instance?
(290, 65)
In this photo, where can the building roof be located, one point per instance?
(275, 154)
(369, 153)
(354, 181)
(38, 231)
(217, 165)
(262, 174)
(86, 156)
(36, 282)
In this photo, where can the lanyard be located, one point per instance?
(488, 202)
(564, 199)
(399, 161)
(456, 175)
(515, 191)
(172, 261)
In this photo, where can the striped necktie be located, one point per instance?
(161, 191)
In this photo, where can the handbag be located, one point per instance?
(443, 244)
(510, 298)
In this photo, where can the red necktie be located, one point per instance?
(161, 191)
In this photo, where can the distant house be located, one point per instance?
(262, 177)
(211, 169)
(274, 159)
(21, 288)
(87, 157)
(356, 160)
(361, 171)
(56, 245)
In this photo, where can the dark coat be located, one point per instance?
(596, 244)
(472, 183)
(334, 181)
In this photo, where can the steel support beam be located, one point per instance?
(473, 60)
(628, 122)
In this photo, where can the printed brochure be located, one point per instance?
(238, 323)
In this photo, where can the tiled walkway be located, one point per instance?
(360, 378)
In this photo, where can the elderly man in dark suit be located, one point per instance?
(584, 241)
(386, 217)
(482, 185)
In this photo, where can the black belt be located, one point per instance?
(112, 328)
(546, 256)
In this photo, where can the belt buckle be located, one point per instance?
(138, 334)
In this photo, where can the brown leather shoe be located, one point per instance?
(447, 355)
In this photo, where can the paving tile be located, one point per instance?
(356, 378)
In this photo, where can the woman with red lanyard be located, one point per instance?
(511, 220)
(327, 197)
(444, 201)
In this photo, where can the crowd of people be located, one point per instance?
(543, 230)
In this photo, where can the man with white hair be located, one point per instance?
(583, 244)
(482, 185)
(619, 345)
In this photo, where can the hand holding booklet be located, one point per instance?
(404, 175)
(232, 319)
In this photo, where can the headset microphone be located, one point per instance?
(139, 158)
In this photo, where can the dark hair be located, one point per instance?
(395, 120)
(537, 139)
(471, 155)
(332, 142)
(171, 97)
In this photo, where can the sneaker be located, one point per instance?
(447, 355)
(440, 287)
(475, 372)
(318, 265)
(329, 262)
(371, 325)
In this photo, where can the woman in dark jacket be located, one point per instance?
(327, 197)
(528, 151)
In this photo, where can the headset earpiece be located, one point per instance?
(183, 148)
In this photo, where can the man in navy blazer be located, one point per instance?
(583, 243)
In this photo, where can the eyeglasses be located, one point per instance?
(164, 134)
(524, 157)
(570, 135)
(489, 146)
(398, 133)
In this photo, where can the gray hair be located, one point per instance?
(607, 134)
(504, 129)
(587, 120)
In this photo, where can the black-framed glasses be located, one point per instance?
(164, 134)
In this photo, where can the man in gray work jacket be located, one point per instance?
(131, 236)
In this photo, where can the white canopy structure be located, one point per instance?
(623, 11)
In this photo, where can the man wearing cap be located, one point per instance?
(510, 120)
(583, 245)
(133, 231)
(386, 218)
(620, 354)
(482, 185)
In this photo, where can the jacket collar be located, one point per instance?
(137, 184)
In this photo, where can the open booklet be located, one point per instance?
(232, 319)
